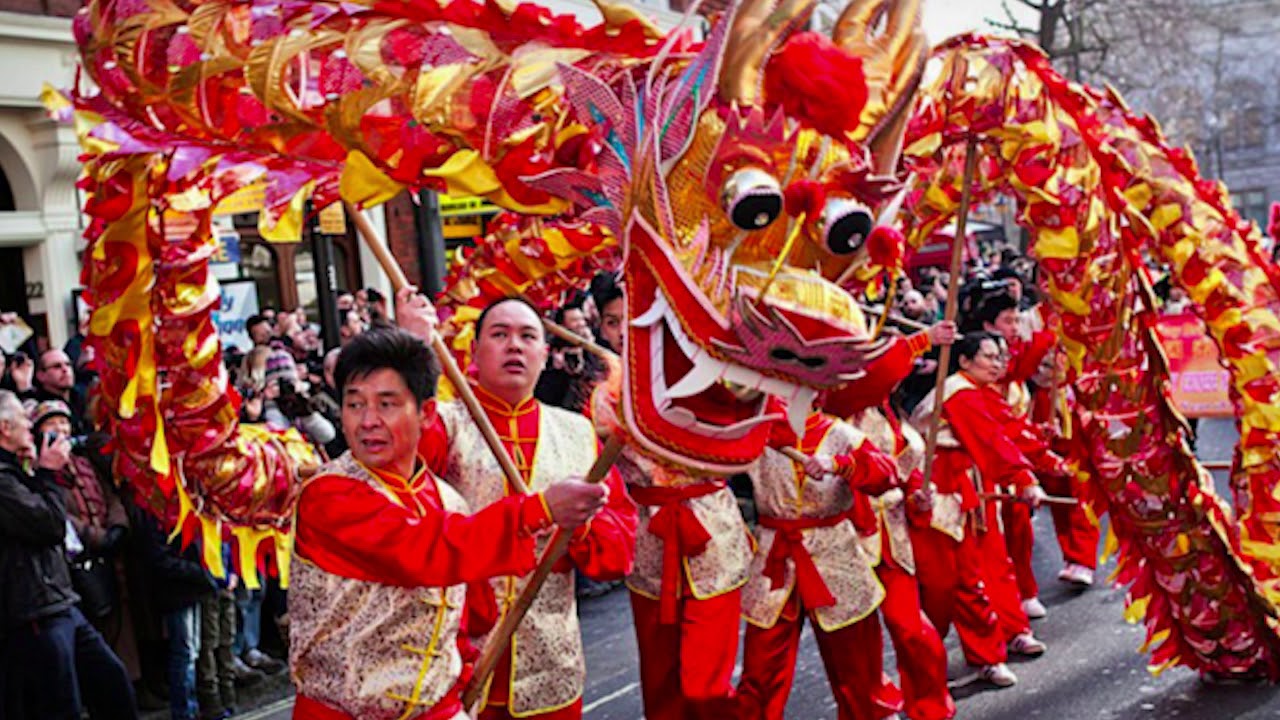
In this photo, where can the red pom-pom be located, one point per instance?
(884, 246)
(1273, 227)
(817, 83)
(805, 196)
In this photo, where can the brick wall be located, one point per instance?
(402, 235)
(60, 8)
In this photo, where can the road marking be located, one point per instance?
(625, 689)
(267, 711)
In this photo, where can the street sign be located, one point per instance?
(228, 246)
(239, 303)
(455, 206)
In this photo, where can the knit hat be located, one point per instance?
(46, 409)
(281, 367)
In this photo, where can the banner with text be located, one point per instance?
(1199, 381)
(239, 303)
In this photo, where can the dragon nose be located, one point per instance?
(787, 355)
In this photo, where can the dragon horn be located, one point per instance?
(758, 29)
(888, 36)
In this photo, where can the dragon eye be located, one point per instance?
(752, 199)
(845, 226)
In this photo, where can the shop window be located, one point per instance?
(1252, 204)
(304, 278)
(258, 263)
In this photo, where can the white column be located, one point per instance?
(57, 168)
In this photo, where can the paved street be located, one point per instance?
(1092, 669)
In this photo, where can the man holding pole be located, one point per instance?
(887, 520)
(692, 556)
(542, 672)
(384, 550)
(811, 563)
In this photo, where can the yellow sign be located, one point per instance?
(470, 205)
(463, 227)
(248, 199)
(333, 220)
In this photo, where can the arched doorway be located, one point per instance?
(13, 280)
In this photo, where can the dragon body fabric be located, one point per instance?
(741, 181)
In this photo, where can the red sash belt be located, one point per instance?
(680, 530)
(788, 542)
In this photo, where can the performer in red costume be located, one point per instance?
(886, 521)
(998, 313)
(1077, 534)
(811, 563)
(543, 671)
(384, 550)
(691, 558)
(965, 573)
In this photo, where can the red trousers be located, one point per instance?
(1077, 536)
(956, 586)
(499, 712)
(922, 659)
(686, 668)
(853, 657)
(1019, 541)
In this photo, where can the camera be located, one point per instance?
(293, 402)
(77, 442)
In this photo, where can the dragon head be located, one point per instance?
(744, 182)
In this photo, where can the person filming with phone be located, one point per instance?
(54, 662)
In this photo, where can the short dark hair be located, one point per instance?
(373, 295)
(969, 345)
(393, 349)
(605, 289)
(484, 314)
(254, 321)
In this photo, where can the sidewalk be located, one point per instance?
(256, 703)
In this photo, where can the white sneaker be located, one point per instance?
(1076, 575)
(999, 675)
(1034, 609)
(1028, 645)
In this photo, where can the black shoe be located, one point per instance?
(245, 675)
(149, 701)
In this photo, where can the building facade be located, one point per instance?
(1223, 100)
(39, 210)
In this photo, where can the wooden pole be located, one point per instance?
(1047, 500)
(498, 641)
(895, 318)
(953, 300)
(569, 336)
(450, 366)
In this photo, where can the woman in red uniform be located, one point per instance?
(964, 567)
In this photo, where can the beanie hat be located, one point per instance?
(46, 409)
(281, 367)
